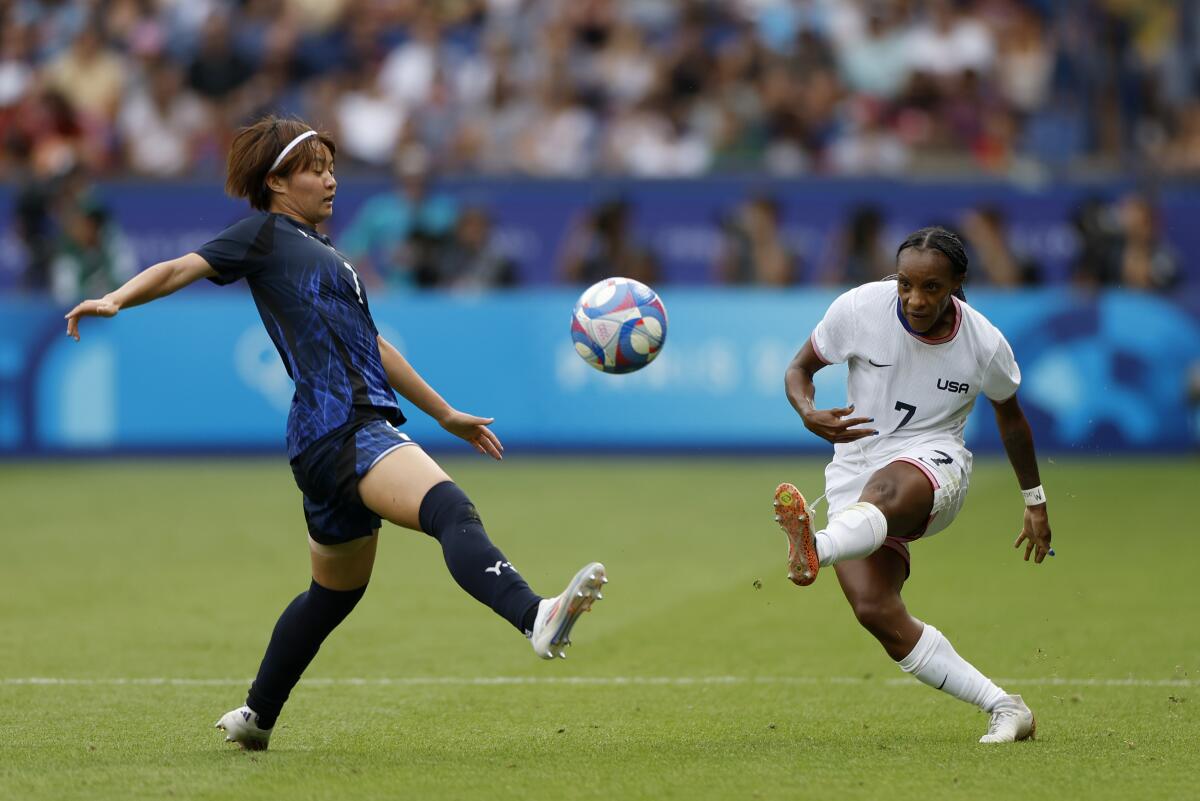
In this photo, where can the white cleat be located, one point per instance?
(1011, 721)
(241, 726)
(556, 616)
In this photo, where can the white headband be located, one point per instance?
(289, 147)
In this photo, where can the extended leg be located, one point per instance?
(409, 489)
(872, 586)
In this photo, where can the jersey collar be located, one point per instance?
(930, 340)
(306, 229)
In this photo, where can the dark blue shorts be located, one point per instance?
(328, 472)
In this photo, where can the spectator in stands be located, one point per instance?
(1025, 61)
(872, 51)
(689, 63)
(601, 244)
(32, 216)
(626, 66)
(1122, 245)
(950, 40)
(785, 123)
(217, 68)
(276, 86)
(394, 231)
(93, 255)
(658, 143)
(1098, 263)
(867, 146)
(859, 252)
(753, 250)
(368, 120)
(993, 259)
(16, 66)
(89, 75)
(559, 136)
(59, 138)
(490, 135)
(1180, 154)
(470, 260)
(409, 74)
(1147, 260)
(162, 123)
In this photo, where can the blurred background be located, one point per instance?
(749, 159)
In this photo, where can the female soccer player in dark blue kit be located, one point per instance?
(352, 464)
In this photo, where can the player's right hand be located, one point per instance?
(102, 307)
(834, 425)
(1035, 534)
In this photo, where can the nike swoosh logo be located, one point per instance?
(943, 684)
(873, 364)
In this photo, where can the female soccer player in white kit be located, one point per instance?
(918, 357)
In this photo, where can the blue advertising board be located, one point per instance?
(196, 372)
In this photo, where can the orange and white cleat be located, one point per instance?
(792, 515)
(556, 616)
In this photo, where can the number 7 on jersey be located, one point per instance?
(357, 288)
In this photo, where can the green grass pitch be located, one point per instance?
(144, 592)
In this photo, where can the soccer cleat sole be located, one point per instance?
(581, 593)
(791, 512)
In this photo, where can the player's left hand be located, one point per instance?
(475, 431)
(1035, 533)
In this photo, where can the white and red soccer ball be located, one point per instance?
(619, 325)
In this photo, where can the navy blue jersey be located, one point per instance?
(315, 310)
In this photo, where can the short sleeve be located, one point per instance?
(833, 338)
(241, 250)
(1002, 376)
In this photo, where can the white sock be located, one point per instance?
(935, 662)
(855, 532)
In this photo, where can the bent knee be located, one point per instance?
(882, 491)
(879, 614)
(903, 494)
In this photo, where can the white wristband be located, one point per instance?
(1034, 496)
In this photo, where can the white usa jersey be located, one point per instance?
(917, 389)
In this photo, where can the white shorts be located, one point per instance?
(946, 464)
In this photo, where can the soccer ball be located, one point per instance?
(619, 325)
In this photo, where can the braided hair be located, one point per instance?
(938, 238)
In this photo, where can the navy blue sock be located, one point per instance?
(298, 635)
(477, 565)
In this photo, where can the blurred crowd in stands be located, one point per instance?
(1020, 89)
(583, 87)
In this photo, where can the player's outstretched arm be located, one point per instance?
(405, 380)
(829, 424)
(1018, 444)
(150, 284)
